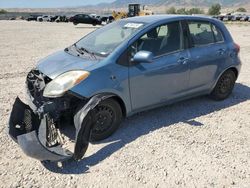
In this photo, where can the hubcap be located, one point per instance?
(225, 85)
(104, 119)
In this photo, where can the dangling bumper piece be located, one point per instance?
(39, 137)
(36, 126)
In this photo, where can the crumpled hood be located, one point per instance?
(60, 62)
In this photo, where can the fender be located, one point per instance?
(222, 72)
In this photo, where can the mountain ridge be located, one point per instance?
(157, 6)
(178, 3)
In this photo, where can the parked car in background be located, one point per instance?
(221, 17)
(224, 17)
(44, 18)
(53, 18)
(123, 68)
(85, 19)
(227, 17)
(33, 17)
(107, 19)
(237, 16)
(94, 15)
(244, 18)
(62, 19)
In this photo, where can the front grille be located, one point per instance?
(52, 137)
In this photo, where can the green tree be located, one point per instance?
(181, 11)
(171, 10)
(195, 11)
(241, 9)
(214, 9)
(2, 11)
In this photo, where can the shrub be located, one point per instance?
(2, 11)
(214, 9)
(171, 10)
(241, 9)
(195, 11)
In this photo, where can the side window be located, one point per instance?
(160, 40)
(163, 31)
(217, 34)
(201, 33)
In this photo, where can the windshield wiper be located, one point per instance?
(82, 50)
(87, 51)
(78, 49)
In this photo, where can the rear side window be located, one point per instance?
(204, 33)
(201, 33)
(217, 34)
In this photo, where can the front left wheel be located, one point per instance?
(107, 116)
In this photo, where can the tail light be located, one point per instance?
(237, 47)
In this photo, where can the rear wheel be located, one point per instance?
(224, 86)
(108, 116)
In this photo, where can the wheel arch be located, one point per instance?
(121, 103)
(117, 98)
(234, 69)
(236, 72)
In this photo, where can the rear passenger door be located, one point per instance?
(207, 51)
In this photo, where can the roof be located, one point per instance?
(158, 18)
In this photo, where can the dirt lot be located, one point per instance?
(196, 143)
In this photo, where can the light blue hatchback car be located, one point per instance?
(120, 69)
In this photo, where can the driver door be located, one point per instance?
(165, 78)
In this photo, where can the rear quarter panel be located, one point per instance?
(233, 59)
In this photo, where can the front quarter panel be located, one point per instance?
(111, 79)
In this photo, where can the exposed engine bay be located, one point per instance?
(36, 126)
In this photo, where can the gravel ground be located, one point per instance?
(195, 143)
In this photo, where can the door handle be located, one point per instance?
(183, 60)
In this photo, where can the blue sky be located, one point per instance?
(47, 3)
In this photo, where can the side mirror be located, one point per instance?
(143, 57)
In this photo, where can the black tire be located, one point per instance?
(224, 86)
(94, 23)
(108, 116)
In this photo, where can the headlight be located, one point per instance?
(64, 82)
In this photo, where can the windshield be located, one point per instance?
(103, 41)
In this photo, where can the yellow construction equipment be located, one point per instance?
(133, 10)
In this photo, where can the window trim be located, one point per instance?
(182, 47)
(223, 38)
(137, 37)
(203, 45)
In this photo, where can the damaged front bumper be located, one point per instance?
(32, 133)
(35, 126)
